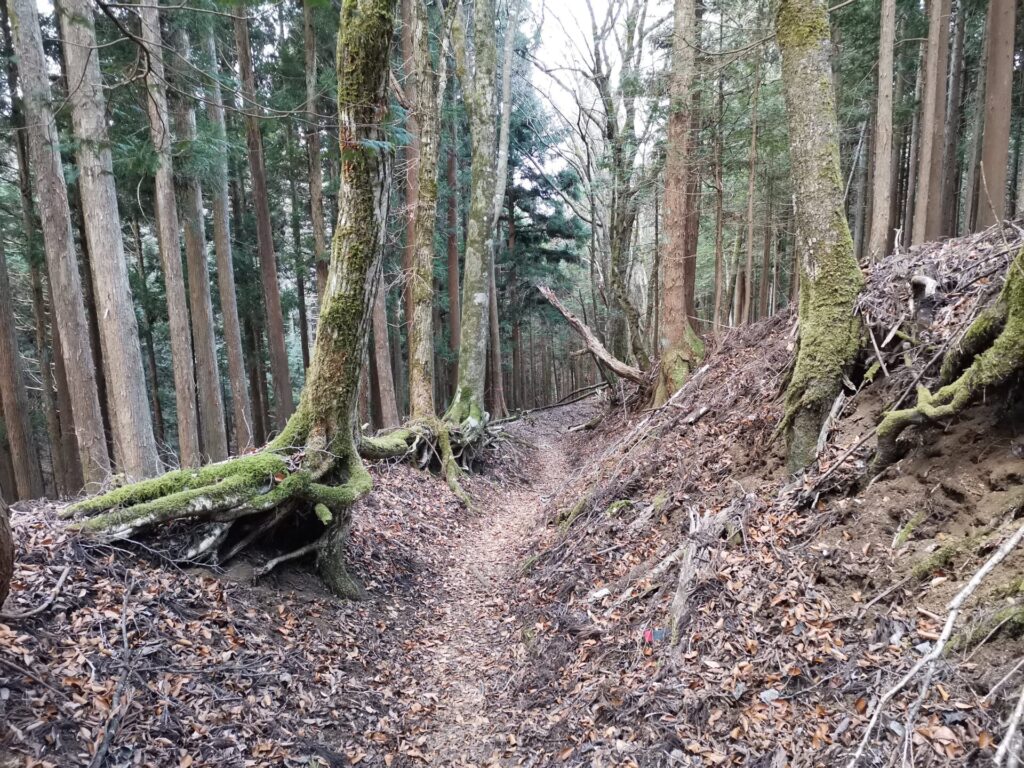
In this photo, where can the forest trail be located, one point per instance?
(468, 649)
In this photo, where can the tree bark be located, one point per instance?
(299, 263)
(55, 215)
(878, 237)
(830, 278)
(167, 226)
(951, 136)
(212, 432)
(241, 408)
(412, 166)
(928, 201)
(14, 396)
(316, 176)
(748, 272)
(468, 405)
(6, 552)
(382, 360)
(679, 345)
(429, 86)
(146, 332)
(995, 143)
(284, 405)
(720, 311)
(454, 310)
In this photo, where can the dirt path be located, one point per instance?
(467, 653)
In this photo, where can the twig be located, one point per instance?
(1011, 732)
(42, 606)
(1007, 676)
(954, 607)
(21, 670)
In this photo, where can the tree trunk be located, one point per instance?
(241, 408)
(468, 405)
(55, 215)
(300, 271)
(912, 160)
(146, 330)
(995, 142)
(284, 405)
(316, 448)
(6, 552)
(720, 311)
(454, 310)
(382, 359)
(499, 409)
(681, 348)
(213, 436)
(412, 164)
(167, 235)
(257, 385)
(951, 136)
(928, 201)
(316, 179)
(14, 396)
(766, 259)
(34, 259)
(429, 88)
(830, 278)
(881, 194)
(748, 271)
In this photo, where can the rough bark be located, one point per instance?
(14, 397)
(429, 86)
(382, 360)
(299, 264)
(412, 160)
(878, 237)
(748, 271)
(284, 405)
(55, 216)
(681, 349)
(316, 449)
(995, 143)
(6, 552)
(241, 408)
(829, 276)
(212, 432)
(30, 225)
(928, 200)
(454, 310)
(146, 331)
(467, 407)
(316, 176)
(951, 137)
(720, 311)
(167, 227)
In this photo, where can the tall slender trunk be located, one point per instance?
(412, 163)
(928, 200)
(468, 404)
(748, 272)
(35, 260)
(381, 356)
(167, 235)
(241, 408)
(951, 137)
(454, 310)
(766, 258)
(878, 236)
(212, 432)
(995, 142)
(147, 338)
(428, 86)
(55, 216)
(299, 262)
(284, 404)
(915, 151)
(69, 440)
(720, 310)
(830, 277)
(257, 384)
(28, 477)
(678, 343)
(860, 195)
(316, 178)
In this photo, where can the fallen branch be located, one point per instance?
(1010, 737)
(619, 368)
(928, 660)
(42, 606)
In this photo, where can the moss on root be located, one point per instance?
(991, 366)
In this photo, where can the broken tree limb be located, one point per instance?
(616, 366)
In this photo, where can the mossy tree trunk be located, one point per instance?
(313, 463)
(830, 278)
(467, 407)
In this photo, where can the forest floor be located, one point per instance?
(137, 662)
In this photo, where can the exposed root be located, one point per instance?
(994, 344)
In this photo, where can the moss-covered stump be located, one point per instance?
(990, 353)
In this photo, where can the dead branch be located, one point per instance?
(42, 606)
(619, 368)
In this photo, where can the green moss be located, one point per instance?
(392, 444)
(907, 530)
(943, 557)
(323, 513)
(801, 24)
(617, 507)
(1009, 620)
(566, 518)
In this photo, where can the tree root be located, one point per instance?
(991, 352)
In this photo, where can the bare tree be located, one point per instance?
(878, 238)
(995, 143)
